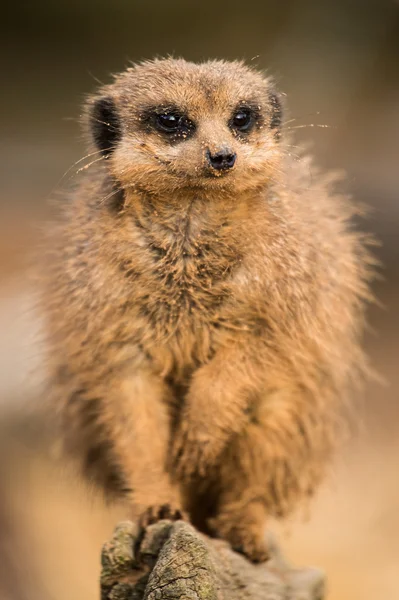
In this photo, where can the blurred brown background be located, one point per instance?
(337, 61)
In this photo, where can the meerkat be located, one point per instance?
(204, 300)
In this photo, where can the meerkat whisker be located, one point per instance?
(322, 126)
(75, 164)
(87, 166)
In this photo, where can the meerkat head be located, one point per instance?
(170, 125)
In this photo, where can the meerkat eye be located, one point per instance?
(169, 122)
(242, 119)
(173, 123)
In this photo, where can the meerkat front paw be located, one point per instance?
(153, 514)
(255, 550)
(247, 541)
(244, 530)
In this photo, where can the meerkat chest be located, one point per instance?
(187, 284)
(182, 312)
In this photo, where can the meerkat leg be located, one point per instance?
(241, 512)
(214, 410)
(276, 460)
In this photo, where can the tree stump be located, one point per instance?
(171, 560)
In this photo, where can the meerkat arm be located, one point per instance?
(143, 441)
(133, 423)
(216, 407)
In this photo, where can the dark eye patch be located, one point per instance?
(170, 121)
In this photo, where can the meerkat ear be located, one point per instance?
(105, 125)
(276, 118)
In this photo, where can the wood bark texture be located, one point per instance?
(171, 560)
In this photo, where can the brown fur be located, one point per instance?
(203, 330)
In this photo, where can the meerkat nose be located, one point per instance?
(222, 160)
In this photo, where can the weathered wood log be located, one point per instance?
(171, 560)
